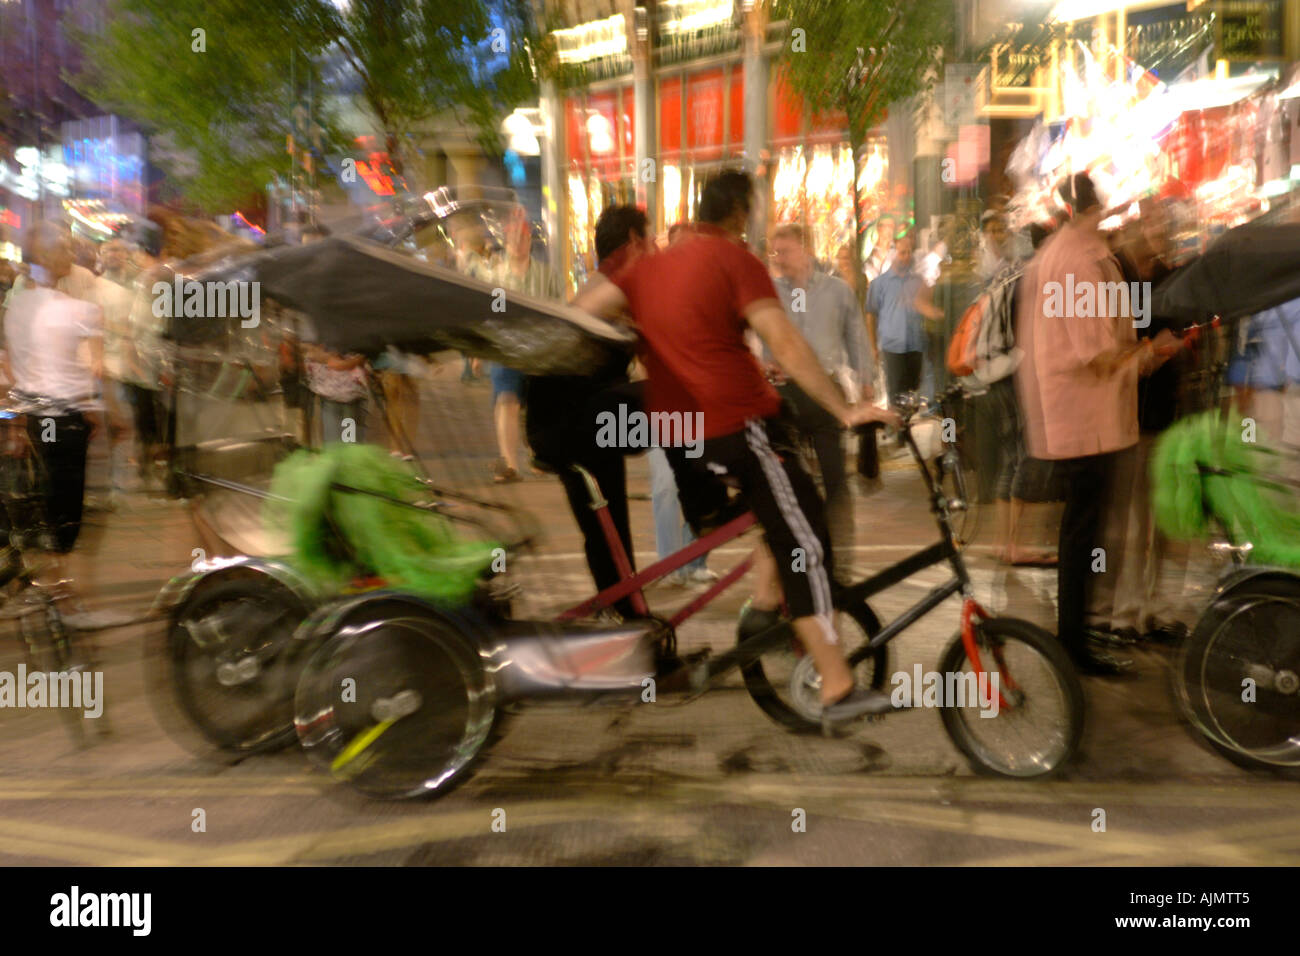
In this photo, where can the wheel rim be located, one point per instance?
(793, 677)
(420, 710)
(1030, 734)
(234, 680)
(1259, 641)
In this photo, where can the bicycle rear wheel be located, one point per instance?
(786, 686)
(1033, 720)
(1240, 675)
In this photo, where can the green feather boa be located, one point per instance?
(1184, 501)
(338, 536)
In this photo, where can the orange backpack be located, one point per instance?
(961, 350)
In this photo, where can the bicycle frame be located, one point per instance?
(944, 550)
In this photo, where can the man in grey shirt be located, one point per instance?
(825, 310)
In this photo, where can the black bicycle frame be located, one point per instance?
(944, 550)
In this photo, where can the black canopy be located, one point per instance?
(362, 297)
(1246, 270)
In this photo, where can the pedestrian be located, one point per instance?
(1077, 386)
(824, 309)
(340, 384)
(518, 271)
(53, 352)
(1129, 599)
(896, 324)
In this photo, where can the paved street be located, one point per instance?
(713, 781)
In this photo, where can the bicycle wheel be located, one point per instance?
(1240, 675)
(50, 650)
(1036, 721)
(785, 683)
(957, 482)
(230, 664)
(396, 702)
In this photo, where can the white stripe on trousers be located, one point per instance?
(787, 503)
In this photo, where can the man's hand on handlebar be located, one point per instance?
(864, 413)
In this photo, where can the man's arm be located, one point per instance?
(924, 303)
(601, 298)
(797, 359)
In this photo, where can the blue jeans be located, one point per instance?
(672, 533)
(332, 415)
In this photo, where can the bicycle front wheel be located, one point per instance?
(1026, 715)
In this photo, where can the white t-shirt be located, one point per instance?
(43, 331)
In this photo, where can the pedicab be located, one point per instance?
(1236, 678)
(384, 639)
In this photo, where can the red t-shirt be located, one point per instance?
(688, 302)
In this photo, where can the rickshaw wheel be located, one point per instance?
(396, 702)
(229, 667)
(1236, 677)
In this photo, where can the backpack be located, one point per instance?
(995, 353)
(965, 338)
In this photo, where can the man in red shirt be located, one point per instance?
(692, 304)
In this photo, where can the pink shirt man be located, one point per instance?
(1072, 410)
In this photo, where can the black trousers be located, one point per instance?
(560, 417)
(61, 444)
(785, 502)
(902, 372)
(1087, 484)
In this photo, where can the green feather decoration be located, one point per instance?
(338, 536)
(1245, 501)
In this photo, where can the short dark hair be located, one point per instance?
(616, 227)
(725, 194)
(1080, 192)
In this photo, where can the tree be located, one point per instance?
(858, 58)
(220, 81)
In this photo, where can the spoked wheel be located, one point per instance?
(959, 488)
(1240, 675)
(231, 666)
(1033, 720)
(396, 703)
(50, 649)
(785, 683)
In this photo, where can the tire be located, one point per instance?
(229, 664)
(1252, 630)
(785, 684)
(959, 484)
(421, 707)
(1044, 677)
(50, 649)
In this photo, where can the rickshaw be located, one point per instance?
(1236, 679)
(399, 694)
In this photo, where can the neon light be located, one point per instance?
(257, 229)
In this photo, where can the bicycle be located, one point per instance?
(50, 644)
(429, 683)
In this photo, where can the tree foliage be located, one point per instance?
(229, 109)
(861, 57)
